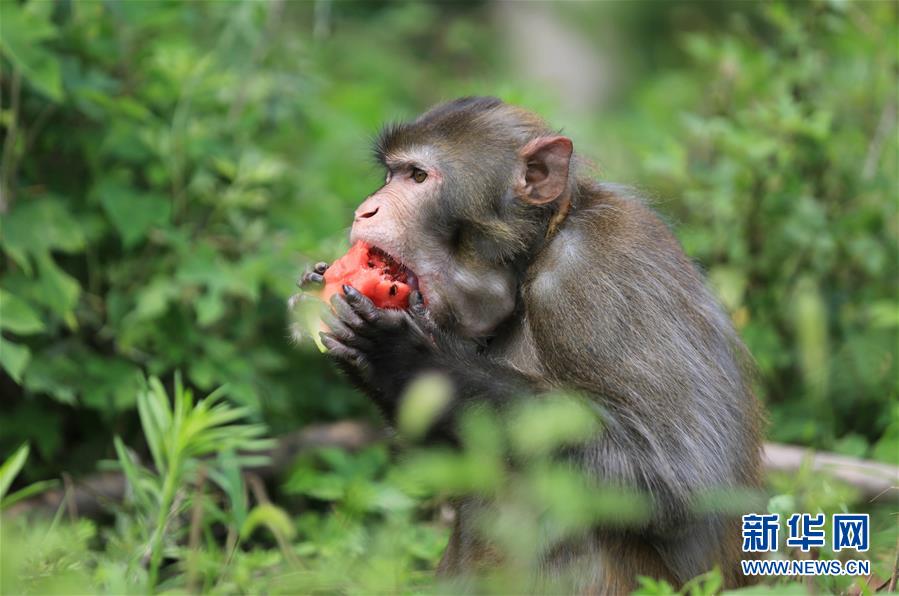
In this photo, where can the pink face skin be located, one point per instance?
(468, 291)
(472, 297)
(384, 218)
(387, 218)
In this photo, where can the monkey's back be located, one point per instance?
(646, 338)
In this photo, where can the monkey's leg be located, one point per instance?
(468, 551)
(621, 560)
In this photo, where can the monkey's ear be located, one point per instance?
(544, 169)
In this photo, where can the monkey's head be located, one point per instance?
(471, 187)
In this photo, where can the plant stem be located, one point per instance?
(196, 522)
(9, 163)
(156, 542)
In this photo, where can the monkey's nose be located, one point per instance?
(367, 214)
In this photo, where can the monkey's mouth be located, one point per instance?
(392, 268)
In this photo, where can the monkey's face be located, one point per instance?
(470, 187)
(418, 217)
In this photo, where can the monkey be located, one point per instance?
(532, 276)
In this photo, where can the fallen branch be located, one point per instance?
(874, 480)
(97, 493)
(93, 495)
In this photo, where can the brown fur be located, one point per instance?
(589, 291)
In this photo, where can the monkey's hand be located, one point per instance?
(380, 349)
(314, 278)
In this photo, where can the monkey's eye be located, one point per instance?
(419, 175)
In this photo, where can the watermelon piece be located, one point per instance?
(373, 273)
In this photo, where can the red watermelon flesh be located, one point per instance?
(373, 273)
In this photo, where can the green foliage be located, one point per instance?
(8, 472)
(168, 168)
(169, 172)
(427, 397)
(178, 434)
(26, 29)
(810, 491)
(367, 525)
(49, 558)
(188, 442)
(785, 173)
(707, 584)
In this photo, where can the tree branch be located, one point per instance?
(92, 495)
(874, 480)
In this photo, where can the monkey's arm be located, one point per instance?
(382, 350)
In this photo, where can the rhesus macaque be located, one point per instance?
(533, 277)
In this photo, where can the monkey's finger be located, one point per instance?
(346, 313)
(416, 299)
(418, 312)
(420, 328)
(391, 318)
(341, 351)
(310, 278)
(417, 303)
(320, 268)
(376, 319)
(344, 334)
(362, 304)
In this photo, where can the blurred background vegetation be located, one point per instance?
(169, 168)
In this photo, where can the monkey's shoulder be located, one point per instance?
(611, 232)
(621, 222)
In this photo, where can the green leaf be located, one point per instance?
(11, 468)
(436, 471)
(426, 398)
(131, 470)
(51, 287)
(132, 213)
(23, 31)
(154, 419)
(55, 373)
(272, 517)
(887, 447)
(210, 308)
(884, 314)
(651, 587)
(110, 384)
(853, 444)
(14, 358)
(57, 289)
(539, 426)
(29, 491)
(811, 321)
(17, 316)
(317, 484)
(227, 475)
(305, 313)
(104, 382)
(38, 226)
(154, 298)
